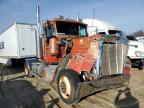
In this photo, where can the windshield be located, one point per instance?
(131, 38)
(49, 30)
(115, 32)
(71, 29)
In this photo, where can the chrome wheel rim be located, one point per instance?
(65, 88)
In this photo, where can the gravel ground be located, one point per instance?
(16, 91)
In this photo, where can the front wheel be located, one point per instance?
(67, 84)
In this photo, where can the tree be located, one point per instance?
(138, 33)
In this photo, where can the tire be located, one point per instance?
(66, 85)
(27, 70)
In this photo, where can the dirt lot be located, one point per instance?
(16, 91)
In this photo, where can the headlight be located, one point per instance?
(139, 53)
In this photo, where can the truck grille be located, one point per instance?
(113, 58)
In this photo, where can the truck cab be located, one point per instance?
(61, 32)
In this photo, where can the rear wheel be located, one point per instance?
(27, 70)
(67, 84)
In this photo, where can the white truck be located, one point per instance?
(99, 27)
(135, 52)
(17, 43)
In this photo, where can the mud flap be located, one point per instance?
(86, 88)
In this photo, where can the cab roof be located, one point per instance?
(67, 21)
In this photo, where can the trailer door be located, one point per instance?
(27, 40)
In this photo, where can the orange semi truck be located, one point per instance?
(77, 65)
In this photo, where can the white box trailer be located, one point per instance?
(18, 41)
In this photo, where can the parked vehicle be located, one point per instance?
(17, 43)
(100, 27)
(77, 65)
(135, 52)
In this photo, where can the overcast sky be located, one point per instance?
(127, 14)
